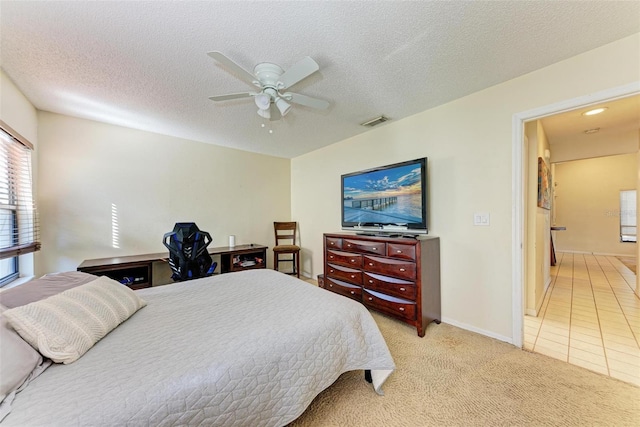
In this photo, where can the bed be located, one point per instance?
(251, 348)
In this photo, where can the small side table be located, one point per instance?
(553, 251)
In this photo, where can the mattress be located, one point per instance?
(251, 348)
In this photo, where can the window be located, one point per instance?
(628, 227)
(18, 219)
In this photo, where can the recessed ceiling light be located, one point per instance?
(594, 111)
(594, 130)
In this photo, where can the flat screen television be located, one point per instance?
(386, 200)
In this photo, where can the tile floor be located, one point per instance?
(590, 317)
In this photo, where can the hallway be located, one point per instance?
(590, 316)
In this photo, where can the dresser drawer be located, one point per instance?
(379, 248)
(344, 258)
(398, 250)
(390, 286)
(391, 267)
(348, 274)
(343, 288)
(334, 243)
(397, 307)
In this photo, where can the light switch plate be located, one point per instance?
(482, 219)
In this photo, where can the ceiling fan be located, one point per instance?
(271, 80)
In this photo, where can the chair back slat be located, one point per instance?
(285, 231)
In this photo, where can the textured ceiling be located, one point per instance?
(144, 65)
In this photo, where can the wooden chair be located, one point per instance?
(286, 245)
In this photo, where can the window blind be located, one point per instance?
(19, 230)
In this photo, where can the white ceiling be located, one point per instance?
(620, 116)
(144, 65)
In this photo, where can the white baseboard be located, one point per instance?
(477, 330)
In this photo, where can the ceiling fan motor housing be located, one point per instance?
(267, 74)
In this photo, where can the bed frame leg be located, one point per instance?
(367, 376)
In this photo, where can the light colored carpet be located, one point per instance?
(453, 377)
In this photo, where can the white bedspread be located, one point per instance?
(243, 349)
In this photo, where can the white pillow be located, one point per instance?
(65, 326)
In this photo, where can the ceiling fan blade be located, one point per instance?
(275, 113)
(231, 96)
(307, 101)
(237, 70)
(300, 70)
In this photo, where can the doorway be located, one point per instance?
(519, 166)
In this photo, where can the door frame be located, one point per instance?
(518, 191)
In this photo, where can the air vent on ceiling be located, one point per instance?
(374, 122)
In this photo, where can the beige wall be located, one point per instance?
(154, 181)
(17, 112)
(601, 144)
(538, 275)
(588, 203)
(468, 143)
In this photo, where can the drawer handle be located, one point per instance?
(330, 285)
(353, 276)
(402, 289)
(401, 308)
(402, 269)
(353, 293)
(332, 243)
(370, 281)
(375, 249)
(370, 299)
(331, 256)
(371, 264)
(331, 271)
(399, 251)
(348, 245)
(353, 260)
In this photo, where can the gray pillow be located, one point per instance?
(19, 364)
(44, 287)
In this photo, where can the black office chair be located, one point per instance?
(188, 255)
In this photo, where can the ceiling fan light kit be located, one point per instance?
(283, 106)
(262, 101)
(271, 79)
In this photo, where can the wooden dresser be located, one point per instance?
(399, 277)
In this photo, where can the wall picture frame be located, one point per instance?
(544, 185)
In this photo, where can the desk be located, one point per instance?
(139, 267)
(553, 250)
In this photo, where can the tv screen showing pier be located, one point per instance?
(389, 198)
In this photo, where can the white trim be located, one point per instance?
(517, 201)
(17, 282)
(476, 330)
